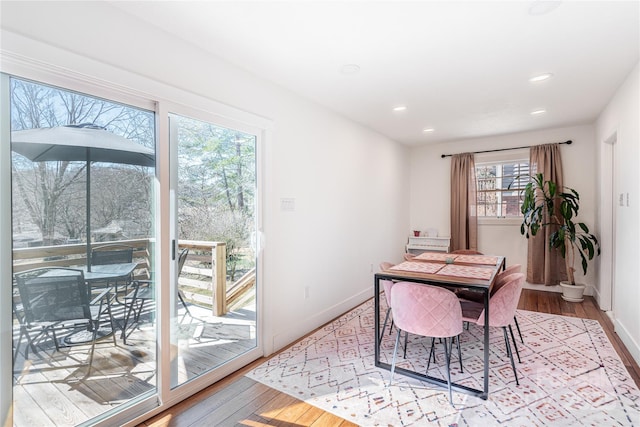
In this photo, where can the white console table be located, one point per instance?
(417, 245)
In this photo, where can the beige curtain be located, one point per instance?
(544, 264)
(464, 216)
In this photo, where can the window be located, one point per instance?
(499, 188)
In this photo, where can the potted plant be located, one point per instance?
(547, 205)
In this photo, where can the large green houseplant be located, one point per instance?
(546, 204)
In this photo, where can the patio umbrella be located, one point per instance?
(85, 142)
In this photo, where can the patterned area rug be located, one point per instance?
(570, 375)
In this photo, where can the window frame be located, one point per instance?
(495, 159)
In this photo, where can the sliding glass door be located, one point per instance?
(132, 254)
(82, 187)
(215, 311)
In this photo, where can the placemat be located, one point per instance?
(476, 259)
(435, 256)
(417, 267)
(466, 271)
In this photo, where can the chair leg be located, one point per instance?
(96, 325)
(393, 361)
(515, 346)
(431, 354)
(459, 353)
(113, 326)
(184, 304)
(125, 322)
(515, 319)
(406, 338)
(510, 353)
(447, 355)
(15, 352)
(25, 333)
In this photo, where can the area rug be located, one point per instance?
(570, 375)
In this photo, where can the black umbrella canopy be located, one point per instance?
(86, 142)
(75, 143)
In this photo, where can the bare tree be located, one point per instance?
(45, 188)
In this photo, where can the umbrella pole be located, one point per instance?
(88, 211)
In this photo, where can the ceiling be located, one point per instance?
(460, 68)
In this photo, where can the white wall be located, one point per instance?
(430, 187)
(621, 119)
(349, 183)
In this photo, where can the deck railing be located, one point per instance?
(203, 277)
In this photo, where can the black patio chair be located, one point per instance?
(143, 292)
(111, 254)
(114, 253)
(54, 299)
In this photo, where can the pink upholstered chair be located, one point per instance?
(428, 311)
(502, 308)
(408, 257)
(467, 295)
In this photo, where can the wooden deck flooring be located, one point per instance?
(52, 388)
(240, 401)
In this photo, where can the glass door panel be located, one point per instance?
(214, 319)
(83, 170)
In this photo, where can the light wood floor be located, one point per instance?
(239, 401)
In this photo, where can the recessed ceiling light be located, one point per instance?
(400, 108)
(427, 130)
(541, 77)
(538, 111)
(350, 69)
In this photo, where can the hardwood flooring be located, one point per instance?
(240, 401)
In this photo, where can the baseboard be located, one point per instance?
(304, 326)
(627, 340)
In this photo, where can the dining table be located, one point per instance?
(474, 272)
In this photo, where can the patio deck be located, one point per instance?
(51, 388)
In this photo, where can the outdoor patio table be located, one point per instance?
(476, 272)
(107, 273)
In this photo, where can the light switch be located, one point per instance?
(287, 204)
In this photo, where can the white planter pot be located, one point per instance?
(572, 293)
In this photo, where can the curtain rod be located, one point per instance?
(569, 142)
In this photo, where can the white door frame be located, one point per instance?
(608, 207)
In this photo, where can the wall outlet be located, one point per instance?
(306, 292)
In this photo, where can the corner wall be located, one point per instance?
(620, 120)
